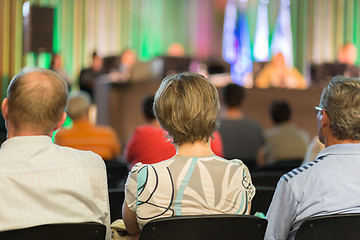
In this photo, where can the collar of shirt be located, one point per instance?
(33, 140)
(341, 149)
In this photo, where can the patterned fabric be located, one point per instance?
(189, 186)
(328, 185)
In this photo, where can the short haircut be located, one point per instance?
(233, 95)
(36, 99)
(147, 107)
(187, 107)
(78, 104)
(280, 111)
(341, 101)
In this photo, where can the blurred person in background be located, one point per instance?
(84, 135)
(242, 137)
(285, 141)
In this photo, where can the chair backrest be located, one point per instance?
(205, 227)
(339, 226)
(266, 178)
(58, 231)
(116, 199)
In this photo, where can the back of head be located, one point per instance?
(341, 101)
(187, 106)
(78, 105)
(280, 112)
(36, 100)
(233, 95)
(147, 107)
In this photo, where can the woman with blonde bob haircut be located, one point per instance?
(195, 181)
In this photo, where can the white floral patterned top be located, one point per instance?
(189, 186)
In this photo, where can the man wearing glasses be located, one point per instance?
(329, 184)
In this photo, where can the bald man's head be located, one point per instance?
(36, 100)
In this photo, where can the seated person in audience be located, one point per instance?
(330, 184)
(40, 182)
(285, 141)
(242, 137)
(88, 75)
(149, 143)
(84, 135)
(57, 66)
(313, 149)
(277, 74)
(195, 180)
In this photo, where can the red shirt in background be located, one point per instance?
(149, 145)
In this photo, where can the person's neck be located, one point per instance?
(196, 149)
(25, 133)
(234, 113)
(154, 123)
(331, 140)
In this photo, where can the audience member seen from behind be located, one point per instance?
(195, 180)
(149, 143)
(285, 141)
(277, 74)
(40, 182)
(242, 137)
(57, 66)
(88, 76)
(84, 135)
(313, 149)
(330, 184)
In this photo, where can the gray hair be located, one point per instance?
(341, 101)
(78, 104)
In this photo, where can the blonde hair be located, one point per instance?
(36, 99)
(187, 107)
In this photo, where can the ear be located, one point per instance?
(325, 120)
(4, 109)
(61, 121)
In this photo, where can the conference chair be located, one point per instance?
(116, 199)
(58, 231)
(330, 227)
(266, 178)
(262, 199)
(205, 227)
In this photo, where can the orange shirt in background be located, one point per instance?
(86, 136)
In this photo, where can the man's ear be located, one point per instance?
(61, 121)
(4, 109)
(325, 120)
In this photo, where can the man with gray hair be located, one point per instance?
(329, 184)
(40, 182)
(84, 135)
